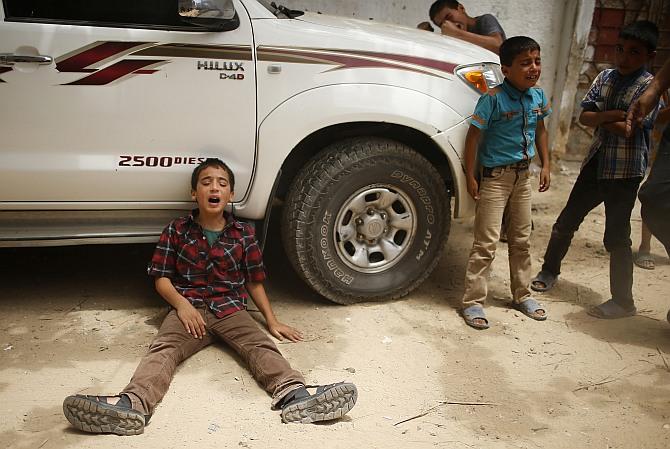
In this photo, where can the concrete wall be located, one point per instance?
(574, 43)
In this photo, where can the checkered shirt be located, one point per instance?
(216, 275)
(619, 157)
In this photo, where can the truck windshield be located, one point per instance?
(280, 11)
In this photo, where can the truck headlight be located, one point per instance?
(481, 77)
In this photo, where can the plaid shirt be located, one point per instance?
(619, 157)
(216, 275)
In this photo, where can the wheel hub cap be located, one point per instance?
(374, 228)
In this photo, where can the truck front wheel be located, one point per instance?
(366, 219)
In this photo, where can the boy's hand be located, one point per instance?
(545, 179)
(279, 330)
(450, 28)
(473, 187)
(192, 320)
(638, 111)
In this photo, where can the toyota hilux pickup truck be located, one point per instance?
(350, 132)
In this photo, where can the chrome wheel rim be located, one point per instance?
(375, 228)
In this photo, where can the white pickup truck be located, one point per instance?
(354, 128)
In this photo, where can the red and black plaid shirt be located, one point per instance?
(214, 276)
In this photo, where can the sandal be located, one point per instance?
(94, 414)
(645, 260)
(531, 308)
(474, 317)
(544, 281)
(611, 310)
(328, 402)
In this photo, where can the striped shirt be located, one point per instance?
(619, 157)
(211, 275)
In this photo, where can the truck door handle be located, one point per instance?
(11, 59)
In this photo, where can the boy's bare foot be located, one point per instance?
(104, 414)
(645, 260)
(474, 317)
(531, 308)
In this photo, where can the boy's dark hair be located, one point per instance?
(212, 162)
(514, 46)
(643, 31)
(439, 4)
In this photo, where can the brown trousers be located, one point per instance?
(505, 187)
(173, 345)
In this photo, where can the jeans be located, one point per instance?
(511, 187)
(619, 198)
(173, 345)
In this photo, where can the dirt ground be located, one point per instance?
(77, 320)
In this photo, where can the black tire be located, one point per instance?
(398, 239)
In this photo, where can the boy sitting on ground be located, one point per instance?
(506, 129)
(612, 170)
(206, 266)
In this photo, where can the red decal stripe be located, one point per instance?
(114, 72)
(341, 59)
(79, 62)
(353, 62)
(425, 62)
(349, 58)
(4, 70)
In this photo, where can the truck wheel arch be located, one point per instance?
(281, 148)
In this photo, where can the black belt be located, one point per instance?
(518, 166)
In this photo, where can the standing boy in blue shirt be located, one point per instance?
(507, 127)
(612, 170)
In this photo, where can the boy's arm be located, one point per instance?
(542, 144)
(600, 118)
(649, 99)
(490, 42)
(260, 298)
(592, 115)
(663, 116)
(470, 156)
(616, 128)
(189, 317)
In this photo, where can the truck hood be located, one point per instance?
(404, 40)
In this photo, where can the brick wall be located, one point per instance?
(609, 17)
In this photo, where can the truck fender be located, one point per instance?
(301, 115)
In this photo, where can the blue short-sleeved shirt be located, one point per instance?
(508, 118)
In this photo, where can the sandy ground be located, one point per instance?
(77, 320)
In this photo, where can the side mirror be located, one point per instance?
(213, 15)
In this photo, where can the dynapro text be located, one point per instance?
(221, 65)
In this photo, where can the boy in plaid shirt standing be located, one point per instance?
(206, 266)
(612, 170)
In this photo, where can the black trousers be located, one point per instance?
(655, 195)
(619, 197)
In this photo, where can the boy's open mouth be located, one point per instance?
(214, 200)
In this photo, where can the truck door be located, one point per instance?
(111, 104)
